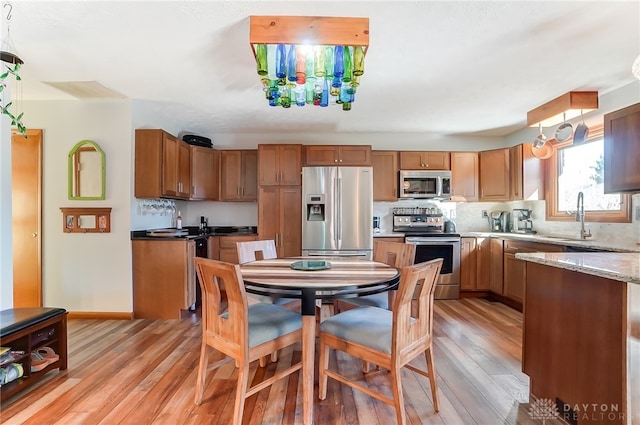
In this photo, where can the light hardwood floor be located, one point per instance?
(144, 372)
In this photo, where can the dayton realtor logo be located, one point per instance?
(544, 409)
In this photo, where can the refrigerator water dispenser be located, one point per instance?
(315, 207)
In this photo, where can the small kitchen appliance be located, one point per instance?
(426, 228)
(521, 221)
(498, 221)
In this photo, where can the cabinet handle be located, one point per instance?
(335, 160)
(281, 176)
(277, 239)
(340, 161)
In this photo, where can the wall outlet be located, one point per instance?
(484, 214)
(452, 214)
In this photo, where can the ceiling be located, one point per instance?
(447, 68)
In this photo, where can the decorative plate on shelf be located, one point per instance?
(308, 265)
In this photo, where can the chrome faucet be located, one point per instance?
(584, 234)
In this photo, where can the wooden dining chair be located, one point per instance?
(390, 339)
(242, 332)
(263, 250)
(395, 254)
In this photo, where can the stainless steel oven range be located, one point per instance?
(425, 228)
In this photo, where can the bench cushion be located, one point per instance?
(15, 319)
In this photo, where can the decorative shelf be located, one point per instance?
(86, 220)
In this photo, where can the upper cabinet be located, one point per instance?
(279, 165)
(239, 179)
(526, 174)
(494, 175)
(511, 174)
(385, 175)
(622, 150)
(327, 155)
(424, 161)
(162, 165)
(205, 174)
(464, 176)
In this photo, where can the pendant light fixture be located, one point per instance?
(306, 60)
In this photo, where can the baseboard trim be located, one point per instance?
(99, 315)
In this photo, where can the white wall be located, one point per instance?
(85, 272)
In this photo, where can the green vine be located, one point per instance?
(15, 120)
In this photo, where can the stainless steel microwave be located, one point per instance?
(421, 184)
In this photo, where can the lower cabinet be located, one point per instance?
(398, 239)
(164, 278)
(223, 248)
(475, 263)
(280, 218)
(515, 272)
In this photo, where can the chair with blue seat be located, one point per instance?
(395, 254)
(240, 331)
(249, 251)
(388, 338)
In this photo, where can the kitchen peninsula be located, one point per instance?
(581, 334)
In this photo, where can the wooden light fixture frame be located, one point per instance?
(571, 104)
(310, 30)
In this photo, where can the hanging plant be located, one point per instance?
(6, 109)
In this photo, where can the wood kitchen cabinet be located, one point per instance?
(164, 278)
(468, 264)
(511, 174)
(385, 175)
(425, 160)
(515, 274)
(465, 173)
(279, 165)
(494, 175)
(622, 150)
(474, 263)
(205, 174)
(238, 173)
(327, 155)
(280, 218)
(223, 248)
(162, 165)
(526, 174)
(496, 260)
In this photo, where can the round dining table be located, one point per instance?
(319, 278)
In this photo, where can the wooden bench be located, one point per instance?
(26, 330)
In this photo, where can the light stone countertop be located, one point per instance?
(388, 235)
(560, 240)
(624, 267)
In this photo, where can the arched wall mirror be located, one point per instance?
(86, 171)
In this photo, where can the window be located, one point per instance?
(579, 168)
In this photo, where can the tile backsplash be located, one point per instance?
(468, 218)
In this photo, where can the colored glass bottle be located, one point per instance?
(281, 61)
(319, 61)
(338, 62)
(358, 61)
(300, 67)
(348, 65)
(328, 62)
(291, 65)
(324, 100)
(261, 59)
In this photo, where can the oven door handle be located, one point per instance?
(430, 241)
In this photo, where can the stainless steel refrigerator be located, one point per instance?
(337, 211)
